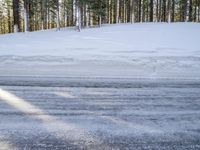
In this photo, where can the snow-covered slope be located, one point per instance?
(147, 50)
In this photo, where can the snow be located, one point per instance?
(121, 86)
(142, 50)
(113, 118)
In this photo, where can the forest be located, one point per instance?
(33, 15)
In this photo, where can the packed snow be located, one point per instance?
(146, 50)
(97, 117)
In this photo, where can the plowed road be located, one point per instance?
(80, 113)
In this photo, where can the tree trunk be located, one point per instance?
(26, 15)
(173, 10)
(164, 11)
(151, 10)
(25, 20)
(160, 11)
(9, 20)
(141, 11)
(100, 20)
(132, 11)
(58, 15)
(198, 18)
(157, 10)
(117, 11)
(74, 12)
(42, 14)
(190, 11)
(186, 10)
(16, 16)
(78, 18)
(169, 11)
(87, 16)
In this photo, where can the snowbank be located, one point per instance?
(147, 50)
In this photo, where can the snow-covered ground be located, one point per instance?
(126, 86)
(145, 50)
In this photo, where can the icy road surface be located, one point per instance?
(83, 113)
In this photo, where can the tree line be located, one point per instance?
(32, 15)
